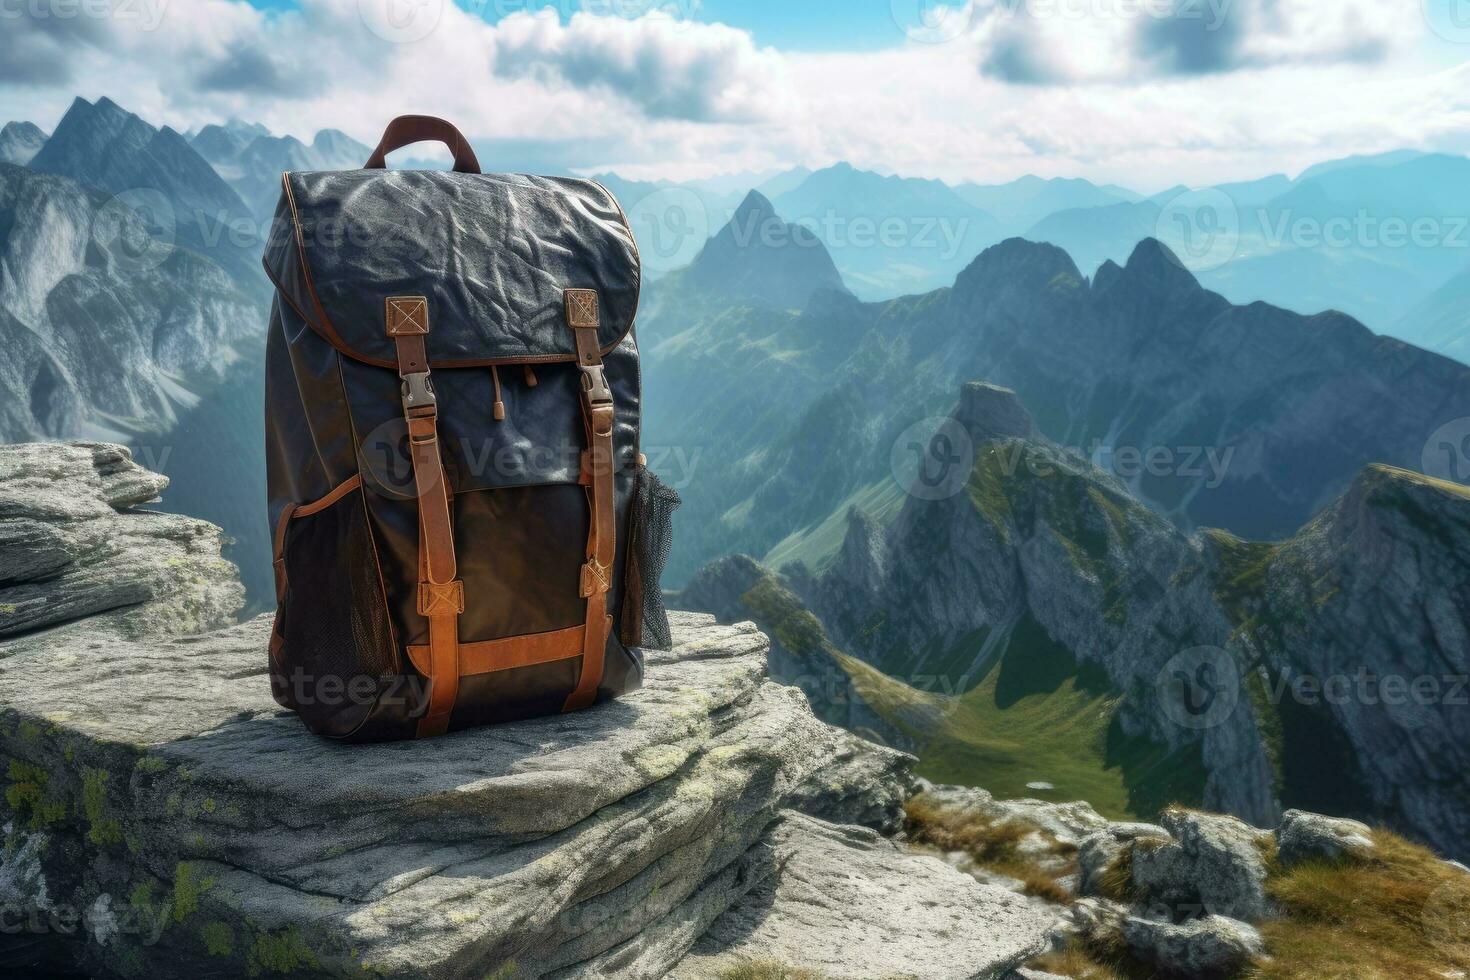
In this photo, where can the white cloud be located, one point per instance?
(653, 97)
(671, 68)
(1072, 41)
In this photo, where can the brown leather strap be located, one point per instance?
(506, 653)
(416, 129)
(441, 594)
(597, 417)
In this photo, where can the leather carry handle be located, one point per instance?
(406, 130)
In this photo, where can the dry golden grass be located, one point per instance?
(1080, 964)
(1397, 913)
(994, 846)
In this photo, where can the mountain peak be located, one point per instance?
(989, 412)
(757, 257)
(1017, 263)
(755, 205)
(1153, 262)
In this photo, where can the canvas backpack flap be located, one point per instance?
(492, 254)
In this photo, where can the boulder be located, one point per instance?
(1304, 836)
(1067, 823)
(1100, 849)
(1204, 948)
(1214, 864)
(850, 905)
(74, 544)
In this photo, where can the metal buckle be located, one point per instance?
(594, 385)
(417, 392)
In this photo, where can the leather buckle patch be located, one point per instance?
(581, 308)
(406, 316)
(441, 600)
(595, 579)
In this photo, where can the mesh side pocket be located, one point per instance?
(645, 621)
(337, 643)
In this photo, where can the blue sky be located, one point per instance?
(1147, 93)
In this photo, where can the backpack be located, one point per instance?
(464, 530)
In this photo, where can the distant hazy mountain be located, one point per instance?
(253, 165)
(1028, 633)
(1021, 203)
(220, 144)
(1442, 321)
(889, 235)
(1094, 235)
(107, 330)
(19, 142)
(1368, 236)
(1266, 414)
(1389, 159)
(156, 172)
(758, 259)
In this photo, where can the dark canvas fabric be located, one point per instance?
(491, 255)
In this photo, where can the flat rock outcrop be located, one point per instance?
(74, 544)
(160, 801)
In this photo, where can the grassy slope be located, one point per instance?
(1033, 718)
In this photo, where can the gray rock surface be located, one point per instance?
(1211, 946)
(1303, 836)
(851, 905)
(1214, 864)
(1100, 849)
(73, 544)
(19, 141)
(159, 797)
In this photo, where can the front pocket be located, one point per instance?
(645, 621)
(337, 650)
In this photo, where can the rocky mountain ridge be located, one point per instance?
(1045, 575)
(155, 172)
(106, 325)
(1139, 360)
